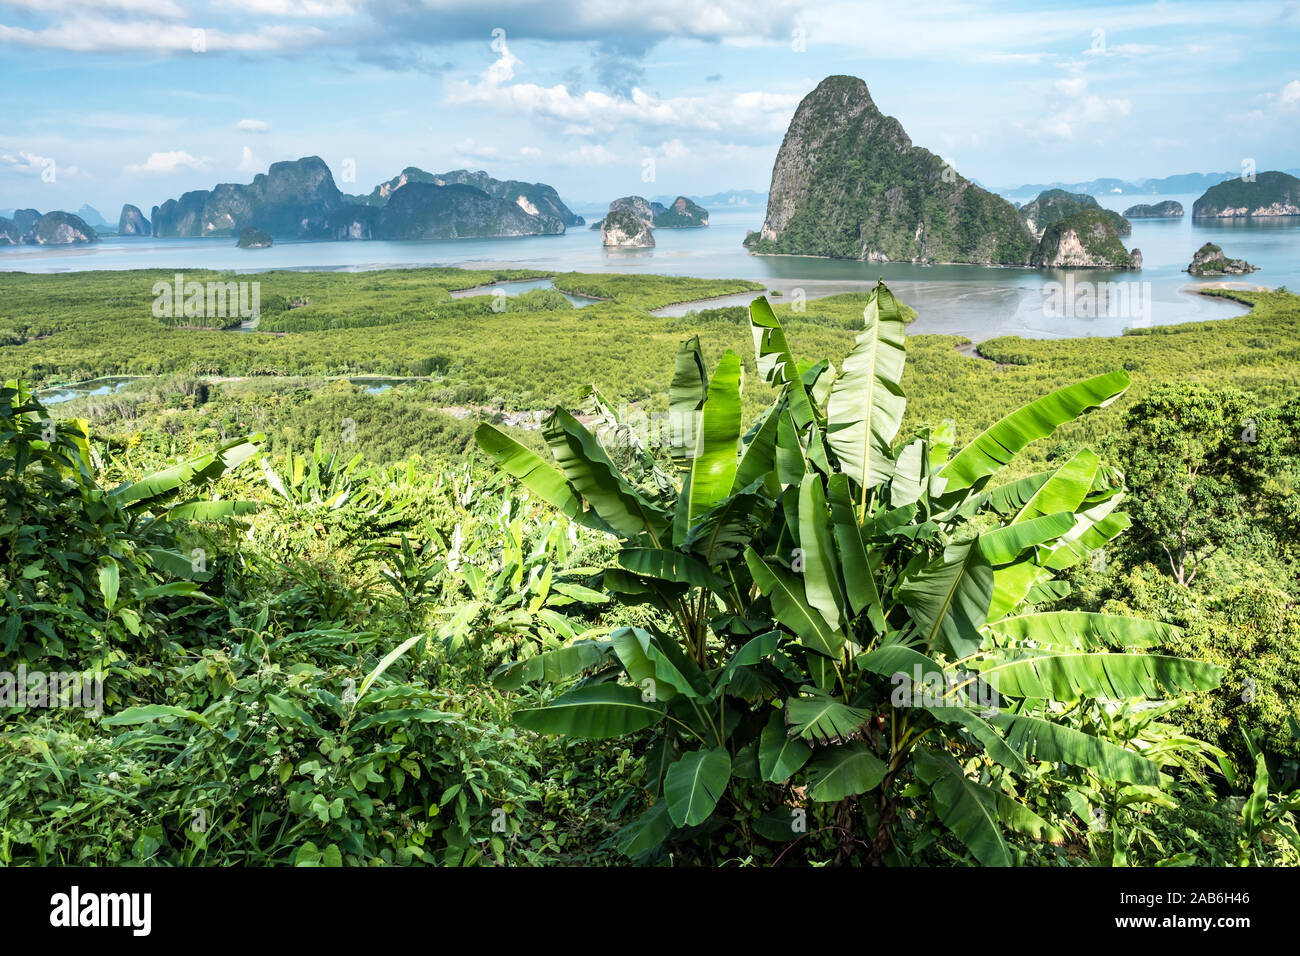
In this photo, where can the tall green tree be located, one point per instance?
(1190, 455)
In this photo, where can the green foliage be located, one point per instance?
(885, 565)
(1253, 631)
(1189, 454)
(86, 570)
(406, 577)
(1053, 205)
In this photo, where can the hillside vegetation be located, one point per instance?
(406, 629)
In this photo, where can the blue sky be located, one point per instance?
(139, 100)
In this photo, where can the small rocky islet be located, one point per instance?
(629, 224)
(251, 237)
(631, 220)
(1210, 260)
(1169, 209)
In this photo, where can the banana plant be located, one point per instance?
(856, 620)
(1266, 815)
(345, 500)
(1118, 815)
(318, 482)
(913, 589)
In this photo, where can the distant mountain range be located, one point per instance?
(300, 200)
(730, 197)
(1183, 183)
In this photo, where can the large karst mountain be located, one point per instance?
(536, 199)
(848, 183)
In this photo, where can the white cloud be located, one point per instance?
(252, 126)
(28, 162)
(471, 149)
(86, 34)
(1055, 127)
(593, 111)
(1099, 110)
(529, 152)
(1074, 109)
(587, 155)
(1077, 113)
(502, 69)
(248, 163)
(672, 149)
(168, 162)
(152, 8)
(1290, 96)
(293, 8)
(1073, 86)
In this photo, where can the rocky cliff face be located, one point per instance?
(624, 228)
(1209, 260)
(1084, 240)
(1053, 205)
(132, 222)
(638, 206)
(56, 228)
(536, 199)
(287, 200)
(25, 219)
(1169, 209)
(427, 211)
(1270, 194)
(53, 228)
(848, 183)
(350, 222)
(682, 214)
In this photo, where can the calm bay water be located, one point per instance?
(973, 301)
